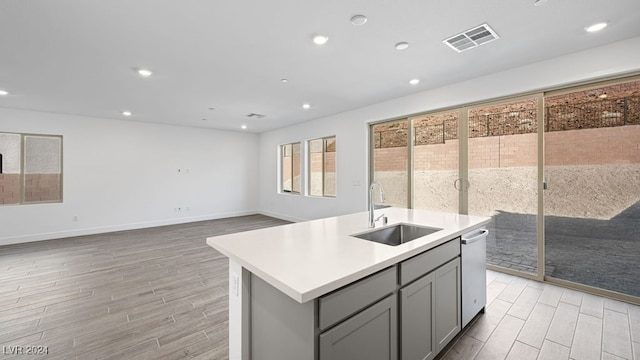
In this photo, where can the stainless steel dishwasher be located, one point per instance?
(474, 274)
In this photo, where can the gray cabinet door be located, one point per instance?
(416, 320)
(447, 307)
(371, 335)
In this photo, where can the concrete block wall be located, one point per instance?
(9, 188)
(614, 145)
(37, 188)
(391, 159)
(330, 162)
(503, 151)
(42, 187)
(436, 157)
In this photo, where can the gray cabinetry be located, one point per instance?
(417, 320)
(408, 311)
(344, 302)
(371, 335)
(448, 313)
(430, 313)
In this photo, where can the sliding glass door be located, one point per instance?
(435, 161)
(592, 201)
(558, 173)
(390, 161)
(502, 174)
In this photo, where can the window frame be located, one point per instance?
(323, 172)
(22, 148)
(282, 157)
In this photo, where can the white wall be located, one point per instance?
(122, 175)
(351, 127)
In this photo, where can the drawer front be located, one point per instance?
(426, 262)
(370, 335)
(342, 303)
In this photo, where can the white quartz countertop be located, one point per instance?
(309, 259)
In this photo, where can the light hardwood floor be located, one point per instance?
(161, 293)
(158, 293)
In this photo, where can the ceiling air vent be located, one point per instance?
(471, 38)
(254, 115)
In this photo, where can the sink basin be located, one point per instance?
(397, 234)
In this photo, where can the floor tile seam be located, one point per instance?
(120, 337)
(628, 328)
(492, 332)
(21, 319)
(614, 355)
(626, 315)
(21, 336)
(39, 304)
(120, 351)
(616, 311)
(44, 289)
(557, 343)
(49, 327)
(568, 303)
(546, 333)
(198, 328)
(529, 314)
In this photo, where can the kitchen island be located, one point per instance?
(295, 287)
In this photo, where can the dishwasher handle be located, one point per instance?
(483, 233)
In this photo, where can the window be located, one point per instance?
(290, 170)
(30, 168)
(322, 167)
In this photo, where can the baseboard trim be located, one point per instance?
(122, 227)
(281, 216)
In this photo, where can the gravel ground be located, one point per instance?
(600, 253)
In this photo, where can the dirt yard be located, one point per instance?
(585, 191)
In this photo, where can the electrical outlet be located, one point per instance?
(235, 284)
(75, 218)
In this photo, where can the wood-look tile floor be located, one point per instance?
(526, 319)
(158, 293)
(161, 293)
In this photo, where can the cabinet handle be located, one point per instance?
(470, 240)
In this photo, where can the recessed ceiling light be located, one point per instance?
(243, 127)
(596, 27)
(127, 113)
(358, 20)
(306, 106)
(144, 72)
(539, 2)
(414, 81)
(284, 80)
(320, 39)
(4, 93)
(402, 45)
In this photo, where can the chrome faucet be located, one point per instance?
(372, 218)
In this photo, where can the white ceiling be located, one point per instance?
(80, 56)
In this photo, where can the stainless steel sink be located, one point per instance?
(397, 234)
